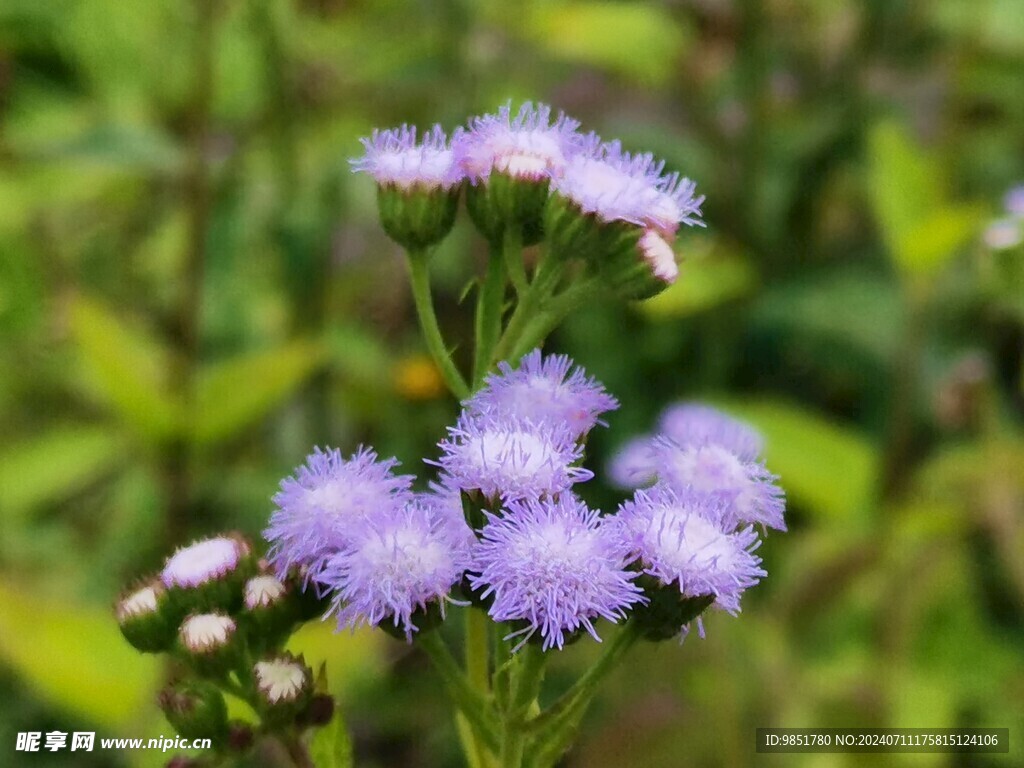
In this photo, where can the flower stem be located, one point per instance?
(489, 307)
(527, 676)
(551, 731)
(420, 280)
(512, 255)
(474, 704)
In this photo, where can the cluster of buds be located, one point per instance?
(530, 176)
(225, 618)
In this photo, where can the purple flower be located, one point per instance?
(1003, 234)
(554, 565)
(526, 146)
(393, 565)
(1014, 201)
(694, 424)
(320, 504)
(394, 158)
(544, 390)
(746, 489)
(633, 465)
(617, 186)
(510, 458)
(679, 539)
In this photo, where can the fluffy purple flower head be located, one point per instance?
(618, 186)
(318, 507)
(1014, 201)
(554, 565)
(510, 458)
(746, 489)
(544, 390)
(394, 158)
(526, 146)
(679, 539)
(393, 565)
(694, 424)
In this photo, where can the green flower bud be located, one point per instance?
(284, 686)
(208, 575)
(144, 619)
(209, 642)
(667, 611)
(196, 710)
(417, 217)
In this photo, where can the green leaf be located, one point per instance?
(938, 236)
(830, 469)
(73, 656)
(638, 40)
(54, 465)
(349, 657)
(921, 228)
(704, 282)
(233, 394)
(127, 368)
(905, 185)
(331, 746)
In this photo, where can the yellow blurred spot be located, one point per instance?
(417, 378)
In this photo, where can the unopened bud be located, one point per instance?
(207, 640)
(195, 709)
(143, 618)
(209, 574)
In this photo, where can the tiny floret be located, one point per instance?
(555, 566)
(395, 565)
(544, 390)
(680, 539)
(262, 591)
(141, 602)
(527, 145)
(394, 158)
(205, 632)
(320, 504)
(281, 679)
(511, 458)
(204, 561)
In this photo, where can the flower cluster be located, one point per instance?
(534, 175)
(504, 529)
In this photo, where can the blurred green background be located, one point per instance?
(194, 291)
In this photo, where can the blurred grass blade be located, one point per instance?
(127, 368)
(54, 465)
(238, 392)
(74, 656)
(827, 468)
(938, 236)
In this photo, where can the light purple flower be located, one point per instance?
(1014, 201)
(525, 146)
(544, 390)
(694, 424)
(1003, 234)
(554, 565)
(393, 157)
(320, 504)
(510, 458)
(618, 186)
(632, 466)
(746, 489)
(204, 561)
(393, 565)
(679, 539)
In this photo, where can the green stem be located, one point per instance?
(552, 730)
(420, 280)
(489, 307)
(512, 255)
(528, 674)
(552, 313)
(471, 702)
(546, 279)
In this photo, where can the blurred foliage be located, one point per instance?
(194, 291)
